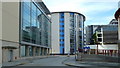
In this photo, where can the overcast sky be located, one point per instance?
(97, 12)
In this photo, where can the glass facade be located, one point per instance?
(61, 30)
(81, 31)
(76, 19)
(23, 52)
(72, 33)
(30, 51)
(35, 26)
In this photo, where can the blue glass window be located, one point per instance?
(61, 28)
(61, 49)
(61, 33)
(61, 15)
(61, 42)
(61, 19)
(61, 37)
(71, 13)
(61, 23)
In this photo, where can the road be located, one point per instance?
(51, 62)
(55, 61)
(88, 61)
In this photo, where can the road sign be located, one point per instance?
(86, 47)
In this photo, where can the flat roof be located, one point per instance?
(45, 9)
(69, 12)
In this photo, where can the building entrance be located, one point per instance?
(10, 55)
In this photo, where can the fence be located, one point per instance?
(104, 52)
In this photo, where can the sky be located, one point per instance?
(97, 12)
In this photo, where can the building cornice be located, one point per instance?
(69, 12)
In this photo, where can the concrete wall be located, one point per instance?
(0, 20)
(10, 21)
(105, 47)
(6, 53)
(67, 32)
(0, 34)
(10, 30)
(55, 33)
(0, 53)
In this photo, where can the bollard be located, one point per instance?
(68, 55)
(111, 51)
(108, 52)
(115, 52)
(105, 52)
(79, 57)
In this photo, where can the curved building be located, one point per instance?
(67, 32)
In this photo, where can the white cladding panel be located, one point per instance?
(55, 33)
(67, 33)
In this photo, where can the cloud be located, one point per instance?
(98, 7)
(99, 20)
(95, 11)
(81, 6)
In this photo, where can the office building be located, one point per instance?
(107, 34)
(84, 39)
(26, 30)
(90, 30)
(67, 32)
(113, 22)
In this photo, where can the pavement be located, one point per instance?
(24, 61)
(87, 61)
(90, 61)
(55, 61)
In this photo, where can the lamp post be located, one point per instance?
(97, 42)
(97, 47)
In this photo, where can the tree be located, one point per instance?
(95, 40)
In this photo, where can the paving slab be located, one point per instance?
(92, 62)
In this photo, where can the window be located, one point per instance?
(61, 15)
(71, 14)
(61, 28)
(35, 25)
(30, 51)
(26, 22)
(22, 51)
(61, 25)
(99, 39)
(61, 35)
(99, 35)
